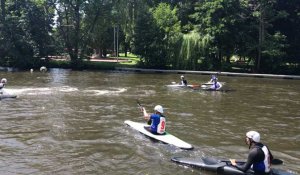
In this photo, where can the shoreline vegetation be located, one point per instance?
(131, 63)
(222, 36)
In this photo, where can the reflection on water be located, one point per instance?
(71, 122)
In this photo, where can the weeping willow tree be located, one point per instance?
(193, 52)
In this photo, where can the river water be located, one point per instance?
(72, 122)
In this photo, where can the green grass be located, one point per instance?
(133, 61)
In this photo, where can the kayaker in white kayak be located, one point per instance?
(183, 81)
(215, 84)
(259, 157)
(2, 84)
(212, 84)
(4, 81)
(158, 120)
(213, 79)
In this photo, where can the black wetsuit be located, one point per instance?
(1, 87)
(184, 82)
(256, 155)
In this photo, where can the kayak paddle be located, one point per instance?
(141, 107)
(211, 160)
(273, 162)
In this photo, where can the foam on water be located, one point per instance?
(41, 91)
(115, 91)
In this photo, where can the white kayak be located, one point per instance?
(210, 86)
(2, 96)
(5, 94)
(183, 86)
(210, 83)
(165, 138)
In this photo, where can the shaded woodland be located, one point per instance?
(261, 36)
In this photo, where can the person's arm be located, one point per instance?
(146, 115)
(248, 164)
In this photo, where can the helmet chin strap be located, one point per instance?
(250, 142)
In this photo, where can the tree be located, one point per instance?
(97, 26)
(148, 41)
(219, 20)
(289, 25)
(69, 18)
(166, 19)
(194, 48)
(270, 44)
(25, 35)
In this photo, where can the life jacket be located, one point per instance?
(158, 124)
(264, 165)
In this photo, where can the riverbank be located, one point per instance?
(295, 77)
(111, 66)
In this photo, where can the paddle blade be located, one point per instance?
(276, 162)
(140, 106)
(138, 103)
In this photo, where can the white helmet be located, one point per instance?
(4, 80)
(255, 136)
(159, 109)
(181, 76)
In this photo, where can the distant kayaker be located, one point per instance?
(1, 88)
(215, 85)
(183, 80)
(213, 79)
(157, 119)
(3, 81)
(2, 84)
(259, 157)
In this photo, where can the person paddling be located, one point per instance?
(183, 80)
(2, 84)
(259, 157)
(3, 81)
(215, 84)
(158, 120)
(212, 80)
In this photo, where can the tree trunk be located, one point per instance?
(3, 11)
(98, 53)
(261, 37)
(77, 30)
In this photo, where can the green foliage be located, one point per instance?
(97, 29)
(166, 19)
(180, 34)
(219, 19)
(148, 42)
(25, 34)
(288, 24)
(194, 49)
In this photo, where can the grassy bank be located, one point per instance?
(110, 63)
